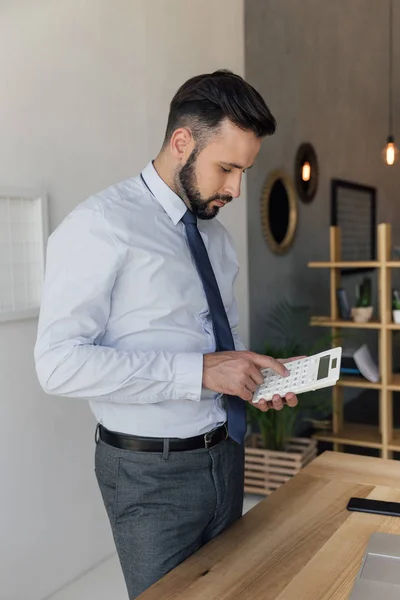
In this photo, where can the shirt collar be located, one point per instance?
(171, 203)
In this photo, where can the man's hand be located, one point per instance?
(238, 373)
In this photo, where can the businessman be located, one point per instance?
(138, 316)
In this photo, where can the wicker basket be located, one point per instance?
(266, 470)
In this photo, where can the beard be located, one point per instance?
(186, 184)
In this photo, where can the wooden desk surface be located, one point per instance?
(300, 543)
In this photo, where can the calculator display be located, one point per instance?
(323, 367)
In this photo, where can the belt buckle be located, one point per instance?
(210, 434)
(208, 439)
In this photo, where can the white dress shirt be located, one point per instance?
(124, 320)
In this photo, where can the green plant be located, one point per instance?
(395, 300)
(364, 293)
(290, 336)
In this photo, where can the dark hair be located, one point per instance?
(204, 101)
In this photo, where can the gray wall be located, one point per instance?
(323, 69)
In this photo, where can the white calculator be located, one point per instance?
(305, 375)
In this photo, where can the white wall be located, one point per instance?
(85, 87)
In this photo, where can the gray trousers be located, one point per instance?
(162, 507)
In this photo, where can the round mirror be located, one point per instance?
(279, 211)
(306, 172)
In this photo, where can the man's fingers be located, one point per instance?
(263, 405)
(277, 402)
(251, 385)
(245, 394)
(266, 362)
(256, 374)
(291, 399)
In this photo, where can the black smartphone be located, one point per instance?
(378, 507)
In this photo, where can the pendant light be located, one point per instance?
(390, 151)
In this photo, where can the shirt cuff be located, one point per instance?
(188, 376)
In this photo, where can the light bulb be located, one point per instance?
(306, 171)
(390, 151)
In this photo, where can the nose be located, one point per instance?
(232, 185)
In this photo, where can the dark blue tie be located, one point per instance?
(223, 335)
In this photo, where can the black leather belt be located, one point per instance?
(145, 444)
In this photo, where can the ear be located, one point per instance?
(182, 144)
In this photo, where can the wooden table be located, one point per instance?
(300, 543)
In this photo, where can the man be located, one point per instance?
(138, 316)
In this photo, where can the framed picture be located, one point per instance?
(23, 239)
(353, 209)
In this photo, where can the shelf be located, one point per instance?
(373, 324)
(394, 443)
(328, 322)
(353, 434)
(366, 264)
(394, 383)
(359, 382)
(362, 264)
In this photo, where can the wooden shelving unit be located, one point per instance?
(382, 437)
(330, 322)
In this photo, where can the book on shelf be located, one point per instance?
(360, 363)
(348, 365)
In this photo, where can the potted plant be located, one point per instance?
(273, 453)
(363, 310)
(396, 306)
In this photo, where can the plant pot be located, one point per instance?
(266, 470)
(362, 314)
(396, 316)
